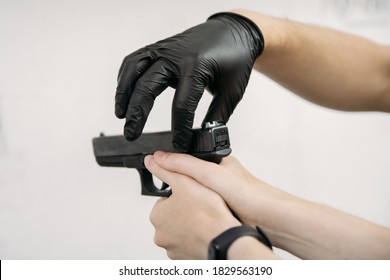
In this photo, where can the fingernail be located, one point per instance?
(160, 155)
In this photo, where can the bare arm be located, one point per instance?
(315, 231)
(306, 229)
(324, 66)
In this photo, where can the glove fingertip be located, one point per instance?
(179, 148)
(182, 139)
(135, 122)
(130, 134)
(119, 112)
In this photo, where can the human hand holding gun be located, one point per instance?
(211, 143)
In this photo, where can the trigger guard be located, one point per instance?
(148, 186)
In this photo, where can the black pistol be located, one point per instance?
(210, 142)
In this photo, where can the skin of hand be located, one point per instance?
(190, 218)
(230, 179)
(306, 229)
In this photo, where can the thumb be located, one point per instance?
(206, 173)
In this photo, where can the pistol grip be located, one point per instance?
(148, 186)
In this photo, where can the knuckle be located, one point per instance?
(142, 85)
(172, 255)
(158, 240)
(154, 216)
(154, 169)
(182, 107)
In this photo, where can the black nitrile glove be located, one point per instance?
(218, 54)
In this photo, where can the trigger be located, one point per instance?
(164, 186)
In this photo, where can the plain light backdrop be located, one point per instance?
(58, 67)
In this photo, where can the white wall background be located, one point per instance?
(58, 67)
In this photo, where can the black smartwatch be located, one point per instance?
(219, 246)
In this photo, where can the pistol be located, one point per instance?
(210, 142)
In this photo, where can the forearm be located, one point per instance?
(324, 66)
(306, 229)
(314, 231)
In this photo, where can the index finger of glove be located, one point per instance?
(152, 82)
(187, 96)
(132, 68)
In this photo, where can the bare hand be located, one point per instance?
(190, 218)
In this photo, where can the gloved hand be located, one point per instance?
(218, 54)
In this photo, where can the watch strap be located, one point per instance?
(222, 242)
(263, 238)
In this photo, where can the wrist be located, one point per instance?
(273, 36)
(219, 246)
(285, 221)
(275, 32)
(272, 211)
(248, 247)
(267, 197)
(246, 25)
(218, 228)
